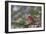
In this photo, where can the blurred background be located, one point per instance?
(19, 14)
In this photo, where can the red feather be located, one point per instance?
(29, 18)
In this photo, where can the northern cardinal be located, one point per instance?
(29, 19)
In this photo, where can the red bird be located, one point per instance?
(29, 19)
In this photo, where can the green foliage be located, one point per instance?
(22, 22)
